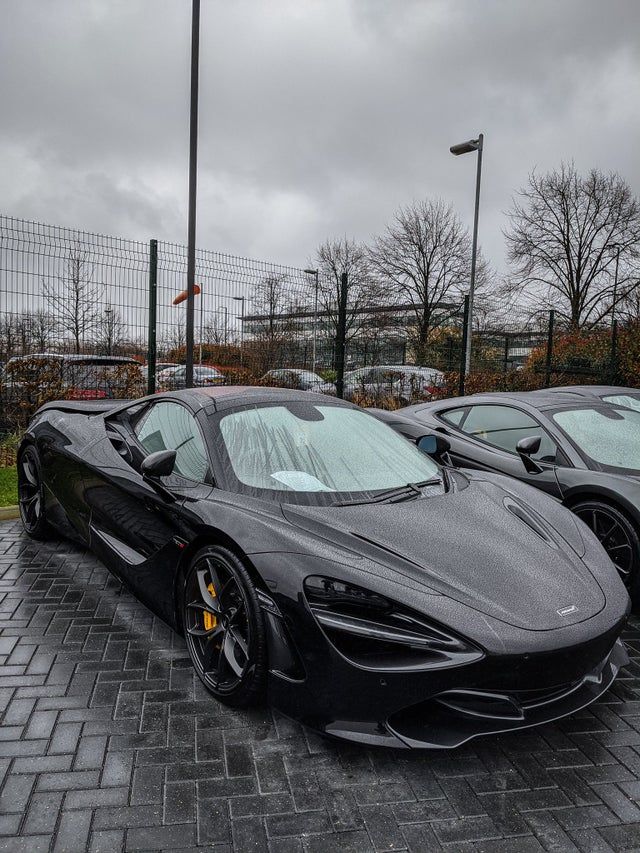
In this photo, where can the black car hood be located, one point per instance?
(481, 546)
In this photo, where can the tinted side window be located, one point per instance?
(453, 416)
(504, 426)
(169, 426)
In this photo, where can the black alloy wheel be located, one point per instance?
(31, 494)
(618, 538)
(224, 627)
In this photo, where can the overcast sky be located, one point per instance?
(317, 119)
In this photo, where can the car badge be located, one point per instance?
(566, 611)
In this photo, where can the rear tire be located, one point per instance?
(224, 627)
(620, 539)
(31, 494)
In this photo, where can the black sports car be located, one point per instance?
(307, 550)
(577, 448)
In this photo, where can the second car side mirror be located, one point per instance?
(526, 447)
(436, 446)
(158, 464)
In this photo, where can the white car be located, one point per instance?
(405, 382)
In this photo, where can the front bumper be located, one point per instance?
(454, 717)
(524, 679)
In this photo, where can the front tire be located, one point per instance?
(618, 537)
(31, 494)
(224, 628)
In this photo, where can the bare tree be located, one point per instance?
(564, 238)
(74, 298)
(216, 329)
(274, 320)
(425, 256)
(110, 331)
(335, 257)
(42, 330)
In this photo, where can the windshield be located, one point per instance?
(306, 449)
(608, 436)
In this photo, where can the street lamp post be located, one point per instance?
(466, 148)
(241, 299)
(193, 173)
(615, 246)
(315, 273)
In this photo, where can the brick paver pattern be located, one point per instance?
(109, 742)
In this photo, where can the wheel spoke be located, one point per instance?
(204, 632)
(211, 602)
(211, 650)
(28, 473)
(613, 527)
(229, 646)
(619, 547)
(213, 574)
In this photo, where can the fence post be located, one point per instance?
(341, 335)
(549, 359)
(153, 310)
(505, 365)
(614, 351)
(463, 356)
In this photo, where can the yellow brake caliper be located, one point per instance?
(210, 620)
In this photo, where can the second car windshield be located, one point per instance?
(610, 436)
(306, 448)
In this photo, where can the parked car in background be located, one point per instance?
(76, 377)
(582, 451)
(403, 382)
(300, 380)
(160, 366)
(629, 397)
(175, 378)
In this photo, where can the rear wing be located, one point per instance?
(82, 407)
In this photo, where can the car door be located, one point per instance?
(140, 530)
(484, 436)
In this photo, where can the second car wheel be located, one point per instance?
(618, 537)
(31, 494)
(224, 627)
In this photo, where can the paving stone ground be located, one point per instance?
(108, 742)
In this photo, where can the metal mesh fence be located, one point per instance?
(75, 321)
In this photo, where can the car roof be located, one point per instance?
(231, 396)
(85, 359)
(593, 390)
(541, 400)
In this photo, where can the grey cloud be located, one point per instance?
(317, 118)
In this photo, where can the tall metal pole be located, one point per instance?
(474, 252)
(315, 324)
(153, 310)
(465, 335)
(615, 287)
(201, 318)
(242, 298)
(341, 334)
(549, 359)
(193, 174)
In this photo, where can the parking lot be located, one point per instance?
(108, 742)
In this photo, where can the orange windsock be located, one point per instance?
(182, 296)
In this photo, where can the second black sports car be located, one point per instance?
(307, 550)
(575, 447)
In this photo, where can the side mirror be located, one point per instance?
(158, 464)
(436, 446)
(526, 447)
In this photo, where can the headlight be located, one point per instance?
(374, 632)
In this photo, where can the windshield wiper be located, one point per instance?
(407, 492)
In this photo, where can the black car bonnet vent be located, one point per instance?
(526, 517)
